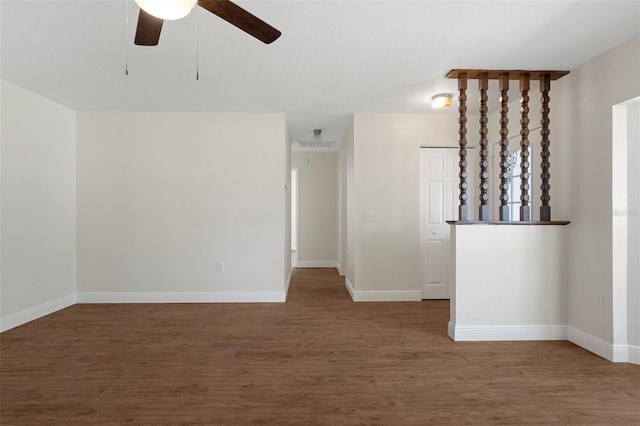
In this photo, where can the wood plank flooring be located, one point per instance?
(318, 359)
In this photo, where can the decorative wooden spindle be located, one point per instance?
(545, 208)
(503, 76)
(504, 146)
(463, 210)
(483, 210)
(525, 208)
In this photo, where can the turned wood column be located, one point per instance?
(463, 209)
(505, 175)
(545, 208)
(483, 210)
(525, 208)
(504, 146)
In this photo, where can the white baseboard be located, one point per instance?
(606, 350)
(591, 343)
(382, 296)
(30, 314)
(620, 353)
(634, 354)
(350, 288)
(287, 284)
(507, 332)
(318, 264)
(452, 330)
(626, 353)
(184, 297)
(387, 296)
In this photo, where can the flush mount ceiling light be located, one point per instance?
(167, 9)
(442, 101)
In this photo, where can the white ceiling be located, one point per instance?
(334, 58)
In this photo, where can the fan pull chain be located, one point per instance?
(197, 48)
(126, 42)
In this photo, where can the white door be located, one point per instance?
(438, 203)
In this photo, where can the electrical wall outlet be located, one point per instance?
(220, 267)
(599, 300)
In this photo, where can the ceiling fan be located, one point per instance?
(154, 12)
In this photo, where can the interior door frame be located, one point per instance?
(295, 212)
(342, 214)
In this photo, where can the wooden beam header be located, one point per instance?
(513, 74)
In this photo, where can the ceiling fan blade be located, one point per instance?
(235, 15)
(148, 31)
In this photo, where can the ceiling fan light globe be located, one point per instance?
(167, 9)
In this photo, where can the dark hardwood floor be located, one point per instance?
(318, 359)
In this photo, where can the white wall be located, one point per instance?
(583, 122)
(347, 210)
(38, 205)
(633, 223)
(317, 208)
(287, 210)
(164, 197)
(387, 180)
(520, 294)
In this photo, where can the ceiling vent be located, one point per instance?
(315, 144)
